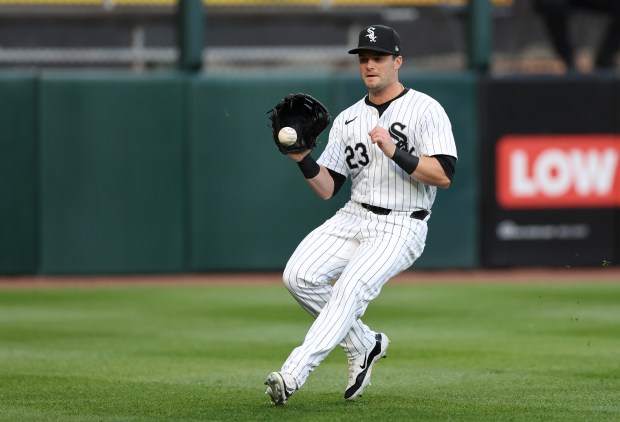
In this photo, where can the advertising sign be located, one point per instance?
(551, 181)
(558, 171)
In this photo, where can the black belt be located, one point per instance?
(418, 215)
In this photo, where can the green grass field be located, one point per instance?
(477, 352)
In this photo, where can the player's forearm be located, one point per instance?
(322, 184)
(317, 176)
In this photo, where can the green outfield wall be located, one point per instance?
(105, 173)
(111, 174)
(18, 174)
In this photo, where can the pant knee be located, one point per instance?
(291, 279)
(298, 281)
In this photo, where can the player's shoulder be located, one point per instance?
(424, 102)
(422, 97)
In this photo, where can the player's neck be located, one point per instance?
(382, 96)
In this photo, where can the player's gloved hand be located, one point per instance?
(303, 113)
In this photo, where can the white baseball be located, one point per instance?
(287, 136)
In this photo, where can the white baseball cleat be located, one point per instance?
(361, 367)
(276, 388)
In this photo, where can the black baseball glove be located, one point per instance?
(303, 113)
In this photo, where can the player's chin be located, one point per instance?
(371, 81)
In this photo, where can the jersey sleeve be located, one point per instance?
(435, 131)
(333, 157)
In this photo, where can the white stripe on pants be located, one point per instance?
(361, 251)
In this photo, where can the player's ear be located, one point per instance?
(398, 61)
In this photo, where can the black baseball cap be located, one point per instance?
(378, 38)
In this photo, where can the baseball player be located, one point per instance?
(396, 145)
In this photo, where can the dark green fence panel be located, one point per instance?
(112, 173)
(250, 204)
(18, 205)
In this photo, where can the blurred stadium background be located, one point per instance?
(242, 34)
(134, 139)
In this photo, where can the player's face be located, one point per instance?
(379, 70)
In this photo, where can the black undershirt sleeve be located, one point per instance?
(448, 163)
(338, 180)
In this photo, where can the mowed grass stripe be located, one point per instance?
(487, 351)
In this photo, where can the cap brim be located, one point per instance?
(379, 49)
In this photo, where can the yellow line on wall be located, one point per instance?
(249, 2)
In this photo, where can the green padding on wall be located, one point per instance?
(454, 228)
(18, 250)
(251, 205)
(112, 174)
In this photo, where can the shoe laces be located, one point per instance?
(354, 366)
(351, 369)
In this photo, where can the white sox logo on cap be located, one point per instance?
(379, 38)
(371, 34)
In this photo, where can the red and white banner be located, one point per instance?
(558, 171)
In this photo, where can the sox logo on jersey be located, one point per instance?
(399, 137)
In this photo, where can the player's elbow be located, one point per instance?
(322, 185)
(442, 182)
(445, 184)
(321, 192)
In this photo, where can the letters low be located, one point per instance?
(558, 171)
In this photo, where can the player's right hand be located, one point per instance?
(381, 137)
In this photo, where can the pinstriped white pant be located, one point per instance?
(360, 251)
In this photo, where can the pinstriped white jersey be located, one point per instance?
(416, 122)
